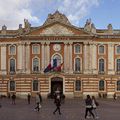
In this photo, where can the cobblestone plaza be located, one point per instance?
(72, 109)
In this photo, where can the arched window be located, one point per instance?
(12, 85)
(118, 49)
(77, 65)
(101, 65)
(118, 65)
(56, 60)
(101, 49)
(101, 85)
(12, 50)
(77, 85)
(118, 85)
(77, 48)
(35, 64)
(12, 65)
(35, 85)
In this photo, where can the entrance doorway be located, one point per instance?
(56, 83)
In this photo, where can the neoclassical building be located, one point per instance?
(90, 58)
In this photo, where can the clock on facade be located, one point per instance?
(56, 47)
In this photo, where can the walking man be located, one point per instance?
(58, 104)
(29, 98)
(13, 99)
(88, 103)
(94, 105)
(38, 101)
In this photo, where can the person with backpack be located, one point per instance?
(88, 102)
(94, 105)
(28, 98)
(58, 104)
(38, 99)
(13, 99)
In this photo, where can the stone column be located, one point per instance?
(43, 55)
(67, 59)
(19, 57)
(23, 58)
(94, 59)
(47, 51)
(86, 59)
(65, 56)
(70, 58)
(28, 58)
(90, 57)
(111, 58)
(3, 58)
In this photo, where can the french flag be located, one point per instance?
(48, 68)
(51, 66)
(58, 68)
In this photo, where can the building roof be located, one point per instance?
(58, 17)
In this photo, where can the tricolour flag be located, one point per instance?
(48, 68)
(58, 68)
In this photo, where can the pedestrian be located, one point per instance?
(58, 104)
(38, 99)
(13, 99)
(94, 105)
(28, 98)
(115, 96)
(88, 102)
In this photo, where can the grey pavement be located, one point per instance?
(72, 109)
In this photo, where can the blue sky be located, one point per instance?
(102, 12)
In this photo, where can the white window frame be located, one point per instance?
(116, 50)
(59, 55)
(38, 49)
(38, 85)
(9, 49)
(116, 86)
(9, 63)
(80, 48)
(104, 64)
(104, 86)
(75, 86)
(9, 86)
(116, 64)
(80, 64)
(39, 63)
(104, 49)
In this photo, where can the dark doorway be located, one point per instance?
(56, 83)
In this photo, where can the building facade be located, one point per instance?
(90, 59)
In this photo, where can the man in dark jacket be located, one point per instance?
(13, 98)
(88, 102)
(58, 104)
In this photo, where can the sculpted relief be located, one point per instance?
(57, 30)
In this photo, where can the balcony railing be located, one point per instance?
(117, 72)
(36, 72)
(101, 72)
(77, 72)
(12, 72)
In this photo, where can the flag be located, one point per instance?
(53, 63)
(58, 68)
(48, 68)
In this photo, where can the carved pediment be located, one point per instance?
(57, 30)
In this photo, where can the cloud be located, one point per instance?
(13, 12)
(77, 9)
